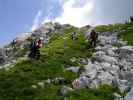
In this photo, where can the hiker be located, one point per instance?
(34, 48)
(39, 45)
(93, 38)
(131, 19)
(74, 36)
(14, 42)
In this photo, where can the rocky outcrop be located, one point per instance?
(9, 53)
(112, 64)
(2, 57)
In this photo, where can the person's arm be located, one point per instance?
(41, 45)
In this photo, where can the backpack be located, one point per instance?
(33, 45)
(93, 35)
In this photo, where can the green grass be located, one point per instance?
(126, 36)
(104, 92)
(112, 27)
(16, 83)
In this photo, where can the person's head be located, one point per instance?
(32, 39)
(40, 39)
(92, 30)
(74, 32)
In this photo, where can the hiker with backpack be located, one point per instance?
(74, 36)
(93, 38)
(39, 45)
(14, 42)
(34, 48)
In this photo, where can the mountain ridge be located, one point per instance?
(65, 62)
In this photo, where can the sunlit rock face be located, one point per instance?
(110, 64)
(2, 57)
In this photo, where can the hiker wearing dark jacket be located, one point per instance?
(32, 49)
(93, 38)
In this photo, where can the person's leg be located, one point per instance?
(94, 43)
(30, 54)
(38, 54)
(34, 53)
(76, 37)
(91, 42)
(72, 37)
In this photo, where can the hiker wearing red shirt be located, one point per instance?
(34, 48)
(39, 45)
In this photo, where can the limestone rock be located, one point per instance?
(64, 91)
(73, 69)
(129, 95)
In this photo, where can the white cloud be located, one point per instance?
(36, 21)
(46, 21)
(76, 12)
(82, 12)
(48, 17)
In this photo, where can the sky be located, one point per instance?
(20, 16)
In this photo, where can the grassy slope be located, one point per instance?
(128, 35)
(15, 84)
